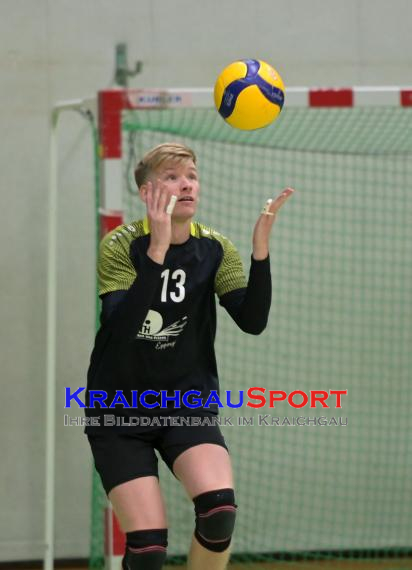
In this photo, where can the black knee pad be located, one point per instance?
(145, 549)
(215, 519)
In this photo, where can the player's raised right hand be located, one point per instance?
(159, 204)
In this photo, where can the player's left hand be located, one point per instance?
(263, 227)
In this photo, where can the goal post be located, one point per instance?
(113, 102)
(87, 108)
(341, 311)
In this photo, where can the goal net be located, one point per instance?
(341, 317)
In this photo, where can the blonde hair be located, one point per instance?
(172, 151)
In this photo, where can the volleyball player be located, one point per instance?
(158, 279)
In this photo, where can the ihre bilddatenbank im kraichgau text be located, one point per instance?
(254, 397)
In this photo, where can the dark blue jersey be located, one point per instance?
(158, 322)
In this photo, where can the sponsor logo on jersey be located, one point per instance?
(153, 330)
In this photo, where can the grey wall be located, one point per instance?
(62, 49)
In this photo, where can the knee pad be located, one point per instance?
(215, 519)
(145, 549)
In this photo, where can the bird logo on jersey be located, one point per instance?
(152, 329)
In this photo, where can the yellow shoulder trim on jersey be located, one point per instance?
(115, 268)
(146, 227)
(230, 274)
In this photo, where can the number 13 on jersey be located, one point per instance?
(177, 290)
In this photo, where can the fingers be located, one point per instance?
(162, 199)
(281, 199)
(272, 206)
(158, 199)
(149, 196)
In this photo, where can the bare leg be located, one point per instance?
(202, 559)
(139, 505)
(204, 468)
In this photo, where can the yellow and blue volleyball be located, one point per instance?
(249, 94)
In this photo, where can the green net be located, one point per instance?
(341, 318)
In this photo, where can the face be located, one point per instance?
(182, 180)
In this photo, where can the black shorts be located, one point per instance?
(120, 457)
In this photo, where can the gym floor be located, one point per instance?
(380, 564)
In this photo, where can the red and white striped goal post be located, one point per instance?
(112, 102)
